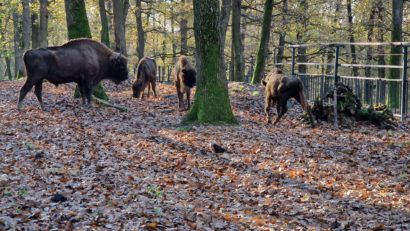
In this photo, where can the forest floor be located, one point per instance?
(136, 170)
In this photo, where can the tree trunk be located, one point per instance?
(105, 34)
(174, 45)
(381, 72)
(183, 26)
(282, 35)
(120, 15)
(78, 27)
(140, 30)
(211, 104)
(226, 9)
(26, 25)
(18, 54)
(369, 56)
(351, 36)
(43, 33)
(393, 98)
(237, 40)
(264, 41)
(35, 30)
(8, 68)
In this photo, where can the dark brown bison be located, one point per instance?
(145, 77)
(185, 79)
(279, 89)
(83, 61)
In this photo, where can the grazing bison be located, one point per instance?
(185, 79)
(83, 61)
(146, 76)
(279, 89)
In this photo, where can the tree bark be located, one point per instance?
(174, 45)
(211, 105)
(43, 33)
(237, 40)
(120, 15)
(18, 54)
(183, 26)
(35, 30)
(282, 34)
(226, 8)
(264, 41)
(351, 36)
(140, 30)
(78, 27)
(393, 98)
(26, 25)
(8, 68)
(105, 34)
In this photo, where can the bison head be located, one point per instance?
(119, 70)
(188, 77)
(137, 88)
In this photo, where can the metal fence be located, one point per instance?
(362, 75)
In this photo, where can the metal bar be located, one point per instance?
(403, 44)
(293, 61)
(335, 85)
(404, 85)
(374, 66)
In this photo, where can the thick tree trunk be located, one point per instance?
(174, 45)
(211, 103)
(369, 55)
(18, 54)
(8, 68)
(43, 33)
(120, 15)
(264, 41)
(226, 8)
(78, 27)
(237, 40)
(183, 27)
(26, 25)
(140, 30)
(351, 36)
(105, 34)
(282, 35)
(393, 98)
(35, 30)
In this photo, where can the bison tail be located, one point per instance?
(306, 107)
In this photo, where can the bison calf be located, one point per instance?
(279, 89)
(83, 61)
(185, 79)
(145, 77)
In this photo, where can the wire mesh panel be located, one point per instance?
(366, 71)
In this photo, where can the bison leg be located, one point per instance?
(282, 109)
(23, 92)
(38, 90)
(149, 90)
(82, 92)
(188, 97)
(154, 88)
(268, 103)
(180, 100)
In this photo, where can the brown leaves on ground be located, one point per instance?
(137, 171)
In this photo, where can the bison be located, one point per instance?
(279, 89)
(145, 76)
(185, 79)
(83, 61)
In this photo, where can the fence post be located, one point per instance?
(293, 61)
(403, 111)
(337, 47)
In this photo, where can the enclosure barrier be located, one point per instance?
(370, 90)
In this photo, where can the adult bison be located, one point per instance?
(185, 79)
(279, 89)
(145, 77)
(83, 61)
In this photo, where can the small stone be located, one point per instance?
(39, 155)
(58, 198)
